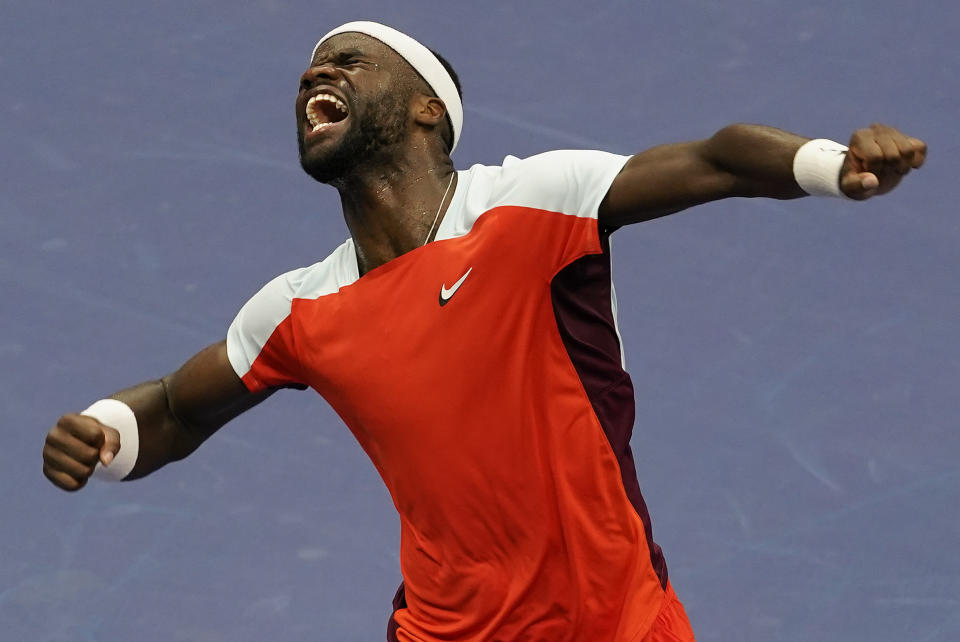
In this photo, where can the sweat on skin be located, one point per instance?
(369, 126)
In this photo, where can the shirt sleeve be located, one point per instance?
(261, 343)
(569, 183)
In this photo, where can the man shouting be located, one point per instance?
(466, 334)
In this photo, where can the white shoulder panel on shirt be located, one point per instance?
(570, 182)
(260, 316)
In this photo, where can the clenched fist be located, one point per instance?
(879, 157)
(73, 448)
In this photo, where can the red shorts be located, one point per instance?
(671, 624)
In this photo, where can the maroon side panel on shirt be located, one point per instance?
(399, 602)
(584, 313)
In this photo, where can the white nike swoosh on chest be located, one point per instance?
(446, 294)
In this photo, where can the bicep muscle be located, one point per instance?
(206, 393)
(663, 180)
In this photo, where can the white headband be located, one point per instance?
(420, 58)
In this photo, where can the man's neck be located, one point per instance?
(390, 208)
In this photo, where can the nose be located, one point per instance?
(316, 75)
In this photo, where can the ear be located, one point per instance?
(429, 111)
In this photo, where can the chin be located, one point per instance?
(323, 171)
(334, 158)
(323, 165)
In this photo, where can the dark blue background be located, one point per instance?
(796, 364)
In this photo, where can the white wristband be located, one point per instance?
(816, 167)
(119, 416)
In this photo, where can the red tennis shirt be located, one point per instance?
(484, 377)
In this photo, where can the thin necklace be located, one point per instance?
(437, 217)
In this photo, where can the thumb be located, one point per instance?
(859, 185)
(110, 446)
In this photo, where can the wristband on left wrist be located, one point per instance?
(817, 165)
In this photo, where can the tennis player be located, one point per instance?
(466, 333)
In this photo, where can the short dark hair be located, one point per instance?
(453, 74)
(448, 132)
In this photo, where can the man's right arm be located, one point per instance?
(174, 416)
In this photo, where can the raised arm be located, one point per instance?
(174, 415)
(750, 161)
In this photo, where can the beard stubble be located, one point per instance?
(379, 125)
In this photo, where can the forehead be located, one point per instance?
(358, 43)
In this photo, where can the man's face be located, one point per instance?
(353, 105)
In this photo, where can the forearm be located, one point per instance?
(757, 159)
(739, 160)
(179, 412)
(164, 437)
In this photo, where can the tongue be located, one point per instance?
(329, 113)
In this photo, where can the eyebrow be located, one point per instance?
(339, 54)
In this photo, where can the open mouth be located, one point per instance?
(324, 110)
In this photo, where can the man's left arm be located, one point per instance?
(750, 161)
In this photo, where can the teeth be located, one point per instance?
(312, 111)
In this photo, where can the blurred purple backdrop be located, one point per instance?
(796, 364)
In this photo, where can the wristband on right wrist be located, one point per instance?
(816, 167)
(120, 417)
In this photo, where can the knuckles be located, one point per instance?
(86, 429)
(63, 480)
(69, 453)
(69, 461)
(883, 148)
